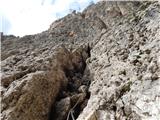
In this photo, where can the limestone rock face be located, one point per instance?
(124, 63)
(101, 64)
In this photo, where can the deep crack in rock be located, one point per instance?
(74, 97)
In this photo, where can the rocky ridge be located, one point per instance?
(101, 64)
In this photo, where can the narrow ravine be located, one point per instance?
(72, 99)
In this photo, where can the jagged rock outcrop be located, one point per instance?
(101, 64)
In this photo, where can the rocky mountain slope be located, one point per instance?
(101, 64)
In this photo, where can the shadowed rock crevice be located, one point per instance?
(74, 97)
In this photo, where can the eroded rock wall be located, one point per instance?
(103, 63)
(125, 62)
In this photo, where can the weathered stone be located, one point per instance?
(31, 97)
(122, 41)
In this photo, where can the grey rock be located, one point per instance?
(122, 41)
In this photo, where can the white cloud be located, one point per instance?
(33, 16)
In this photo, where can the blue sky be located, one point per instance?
(24, 17)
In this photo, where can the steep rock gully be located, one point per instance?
(72, 99)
